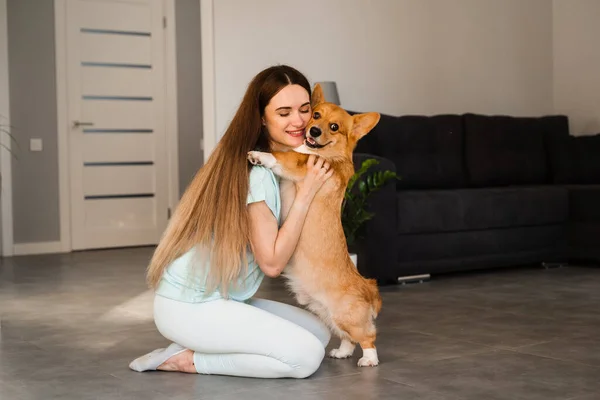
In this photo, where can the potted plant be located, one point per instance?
(354, 212)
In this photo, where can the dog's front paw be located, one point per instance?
(339, 353)
(260, 158)
(369, 358)
(344, 351)
(254, 157)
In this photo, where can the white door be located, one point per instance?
(116, 110)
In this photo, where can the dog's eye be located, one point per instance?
(316, 115)
(334, 127)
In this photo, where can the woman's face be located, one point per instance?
(286, 116)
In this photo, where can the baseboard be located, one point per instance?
(22, 249)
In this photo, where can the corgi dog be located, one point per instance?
(320, 273)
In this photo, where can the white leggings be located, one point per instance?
(262, 339)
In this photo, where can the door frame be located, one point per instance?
(209, 109)
(171, 121)
(6, 194)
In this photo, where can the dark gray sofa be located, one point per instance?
(479, 191)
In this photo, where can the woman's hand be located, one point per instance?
(317, 172)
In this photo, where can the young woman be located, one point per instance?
(225, 236)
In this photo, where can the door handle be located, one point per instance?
(77, 124)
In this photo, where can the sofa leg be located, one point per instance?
(553, 265)
(403, 280)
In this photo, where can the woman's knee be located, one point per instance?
(309, 358)
(298, 316)
(324, 334)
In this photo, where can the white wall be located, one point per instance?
(577, 64)
(393, 56)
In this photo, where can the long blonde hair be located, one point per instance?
(212, 212)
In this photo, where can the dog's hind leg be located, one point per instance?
(361, 332)
(369, 358)
(365, 336)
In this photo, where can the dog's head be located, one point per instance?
(332, 133)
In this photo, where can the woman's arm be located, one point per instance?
(273, 247)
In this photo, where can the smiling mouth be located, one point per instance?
(310, 142)
(297, 133)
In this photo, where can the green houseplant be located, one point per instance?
(354, 205)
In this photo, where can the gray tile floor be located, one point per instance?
(71, 323)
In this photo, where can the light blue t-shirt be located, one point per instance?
(178, 284)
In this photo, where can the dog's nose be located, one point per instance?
(315, 131)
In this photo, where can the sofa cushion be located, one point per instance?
(556, 137)
(574, 159)
(427, 151)
(369, 144)
(586, 153)
(584, 221)
(482, 249)
(503, 150)
(430, 211)
(584, 203)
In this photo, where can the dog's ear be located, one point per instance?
(363, 123)
(317, 96)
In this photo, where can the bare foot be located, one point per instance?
(182, 362)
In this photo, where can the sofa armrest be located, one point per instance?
(376, 250)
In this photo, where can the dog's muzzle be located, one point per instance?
(312, 143)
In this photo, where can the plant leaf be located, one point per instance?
(354, 204)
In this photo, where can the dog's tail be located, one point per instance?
(376, 301)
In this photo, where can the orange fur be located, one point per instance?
(321, 273)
